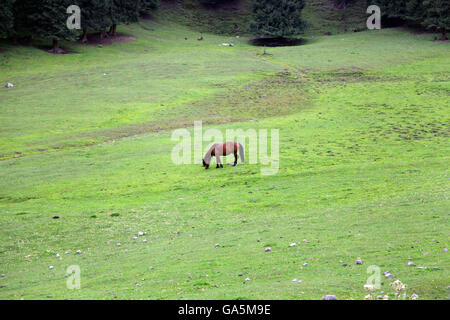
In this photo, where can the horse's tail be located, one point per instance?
(241, 153)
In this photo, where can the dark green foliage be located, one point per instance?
(95, 14)
(414, 13)
(148, 4)
(44, 19)
(277, 18)
(212, 2)
(6, 18)
(437, 16)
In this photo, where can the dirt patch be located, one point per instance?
(49, 49)
(95, 39)
(277, 42)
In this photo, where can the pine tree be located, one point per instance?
(277, 18)
(6, 18)
(437, 16)
(415, 12)
(148, 4)
(95, 15)
(44, 19)
(124, 12)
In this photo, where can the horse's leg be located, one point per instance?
(235, 159)
(219, 162)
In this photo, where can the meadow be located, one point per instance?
(364, 153)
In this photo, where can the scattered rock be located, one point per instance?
(445, 249)
(138, 285)
(51, 267)
(216, 245)
(134, 237)
(118, 244)
(145, 240)
(2, 275)
(150, 268)
(9, 85)
(358, 261)
(329, 297)
(293, 244)
(305, 264)
(247, 279)
(78, 251)
(57, 255)
(268, 249)
(410, 263)
(140, 233)
(387, 274)
(414, 296)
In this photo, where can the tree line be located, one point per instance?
(47, 19)
(430, 14)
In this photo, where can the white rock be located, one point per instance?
(57, 255)
(216, 245)
(247, 279)
(295, 280)
(305, 264)
(445, 249)
(78, 251)
(145, 240)
(268, 249)
(359, 261)
(51, 267)
(293, 244)
(118, 244)
(410, 263)
(329, 297)
(140, 233)
(9, 85)
(134, 237)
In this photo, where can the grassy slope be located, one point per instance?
(363, 121)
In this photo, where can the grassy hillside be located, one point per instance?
(232, 17)
(363, 120)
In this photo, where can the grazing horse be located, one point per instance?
(223, 149)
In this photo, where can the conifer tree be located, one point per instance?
(6, 18)
(277, 18)
(437, 16)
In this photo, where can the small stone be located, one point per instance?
(293, 244)
(138, 285)
(305, 264)
(329, 297)
(57, 255)
(410, 263)
(78, 251)
(445, 249)
(295, 280)
(388, 275)
(51, 267)
(414, 296)
(118, 244)
(9, 85)
(134, 237)
(145, 240)
(216, 245)
(359, 261)
(268, 249)
(140, 233)
(67, 252)
(247, 279)
(150, 268)
(2, 275)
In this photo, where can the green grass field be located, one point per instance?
(364, 154)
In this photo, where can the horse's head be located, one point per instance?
(205, 164)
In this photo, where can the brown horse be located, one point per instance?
(223, 149)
